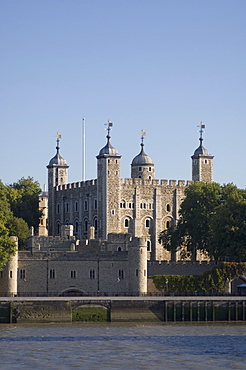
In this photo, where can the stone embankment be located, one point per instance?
(116, 309)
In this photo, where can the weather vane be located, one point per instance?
(201, 131)
(58, 137)
(143, 133)
(109, 126)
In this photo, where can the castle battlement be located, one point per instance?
(156, 182)
(77, 185)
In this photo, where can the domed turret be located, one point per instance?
(142, 165)
(202, 162)
(108, 149)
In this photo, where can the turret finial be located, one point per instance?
(58, 137)
(201, 131)
(143, 134)
(109, 128)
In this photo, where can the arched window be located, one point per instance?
(76, 226)
(147, 222)
(167, 224)
(168, 208)
(58, 229)
(126, 222)
(148, 246)
(95, 224)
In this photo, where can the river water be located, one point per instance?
(121, 346)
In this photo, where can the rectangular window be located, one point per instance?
(137, 272)
(92, 274)
(73, 274)
(22, 274)
(121, 274)
(52, 274)
(10, 274)
(86, 205)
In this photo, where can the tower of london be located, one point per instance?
(102, 235)
(141, 205)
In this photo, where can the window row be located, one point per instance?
(76, 206)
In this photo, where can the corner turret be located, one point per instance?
(202, 162)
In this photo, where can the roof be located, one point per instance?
(142, 158)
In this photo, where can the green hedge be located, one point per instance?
(213, 281)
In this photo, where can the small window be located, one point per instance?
(149, 177)
(76, 206)
(126, 222)
(139, 168)
(22, 274)
(130, 205)
(167, 224)
(86, 205)
(76, 226)
(95, 203)
(73, 274)
(95, 224)
(205, 161)
(92, 274)
(147, 222)
(139, 176)
(136, 272)
(67, 207)
(58, 208)
(150, 169)
(108, 160)
(148, 246)
(108, 172)
(168, 208)
(112, 212)
(58, 229)
(116, 172)
(52, 274)
(116, 161)
(150, 206)
(119, 249)
(10, 274)
(121, 274)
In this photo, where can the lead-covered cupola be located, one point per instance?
(57, 168)
(142, 165)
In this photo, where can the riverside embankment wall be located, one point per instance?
(151, 309)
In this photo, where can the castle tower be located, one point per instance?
(202, 162)
(137, 264)
(142, 165)
(108, 188)
(57, 175)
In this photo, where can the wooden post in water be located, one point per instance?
(166, 312)
(213, 311)
(190, 311)
(182, 311)
(229, 310)
(243, 309)
(236, 309)
(174, 311)
(206, 310)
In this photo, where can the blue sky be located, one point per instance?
(158, 65)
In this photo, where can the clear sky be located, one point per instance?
(158, 65)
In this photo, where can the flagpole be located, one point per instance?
(83, 149)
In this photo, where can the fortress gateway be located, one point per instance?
(102, 231)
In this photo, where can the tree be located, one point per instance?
(212, 219)
(195, 212)
(228, 226)
(171, 240)
(24, 200)
(18, 227)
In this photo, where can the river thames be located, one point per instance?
(120, 346)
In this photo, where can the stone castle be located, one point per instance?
(101, 233)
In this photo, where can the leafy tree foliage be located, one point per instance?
(24, 201)
(212, 219)
(18, 210)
